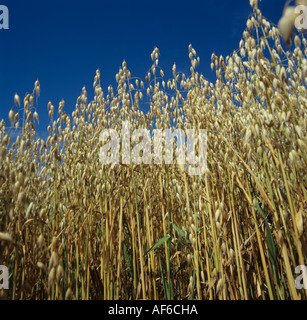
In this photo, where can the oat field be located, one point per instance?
(72, 228)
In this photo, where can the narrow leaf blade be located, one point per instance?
(158, 244)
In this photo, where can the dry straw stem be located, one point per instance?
(72, 228)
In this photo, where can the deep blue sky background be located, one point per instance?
(62, 43)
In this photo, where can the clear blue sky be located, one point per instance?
(62, 43)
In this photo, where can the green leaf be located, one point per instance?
(269, 237)
(179, 231)
(271, 245)
(194, 283)
(198, 229)
(158, 244)
(163, 281)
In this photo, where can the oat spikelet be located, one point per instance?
(5, 236)
(286, 24)
(301, 3)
